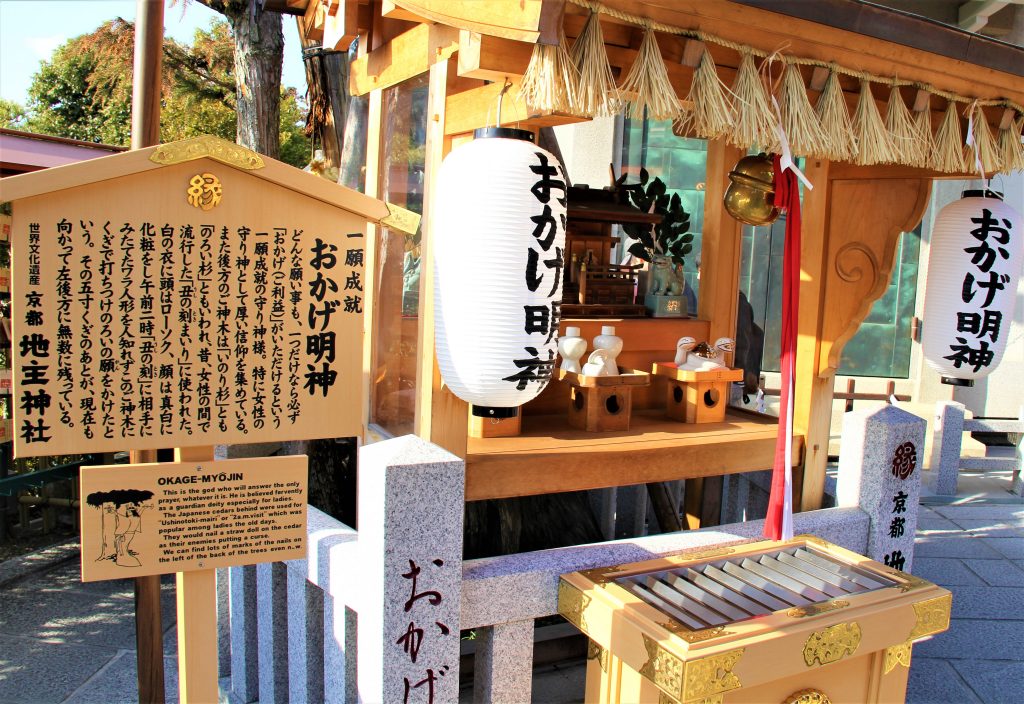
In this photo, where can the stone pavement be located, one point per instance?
(64, 641)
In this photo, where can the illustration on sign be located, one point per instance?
(121, 520)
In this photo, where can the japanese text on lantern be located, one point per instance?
(542, 320)
(981, 327)
(419, 633)
(142, 334)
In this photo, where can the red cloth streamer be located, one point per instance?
(780, 505)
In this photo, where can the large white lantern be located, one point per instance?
(499, 239)
(973, 267)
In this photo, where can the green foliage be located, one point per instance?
(669, 237)
(12, 115)
(85, 91)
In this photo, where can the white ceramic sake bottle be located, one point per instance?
(572, 347)
(612, 344)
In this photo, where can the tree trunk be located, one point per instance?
(259, 53)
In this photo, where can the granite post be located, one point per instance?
(244, 637)
(949, 435)
(411, 496)
(880, 471)
(1017, 480)
(340, 652)
(223, 623)
(305, 639)
(272, 624)
(503, 666)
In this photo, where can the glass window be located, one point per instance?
(881, 346)
(682, 164)
(396, 306)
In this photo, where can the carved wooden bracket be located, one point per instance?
(865, 221)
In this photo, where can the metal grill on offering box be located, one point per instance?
(732, 590)
(802, 621)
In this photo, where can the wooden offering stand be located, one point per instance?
(696, 397)
(600, 404)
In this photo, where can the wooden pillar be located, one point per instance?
(374, 129)
(716, 299)
(848, 256)
(812, 400)
(197, 617)
(146, 88)
(436, 149)
(149, 40)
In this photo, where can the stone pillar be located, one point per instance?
(223, 623)
(880, 471)
(244, 638)
(340, 653)
(1017, 480)
(411, 496)
(503, 667)
(949, 436)
(305, 639)
(272, 624)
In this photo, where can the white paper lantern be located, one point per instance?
(973, 267)
(499, 238)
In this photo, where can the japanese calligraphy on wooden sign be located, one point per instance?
(186, 304)
(174, 517)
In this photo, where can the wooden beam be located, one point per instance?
(767, 30)
(341, 24)
(524, 20)
(478, 107)
(551, 457)
(404, 57)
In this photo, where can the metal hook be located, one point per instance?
(501, 97)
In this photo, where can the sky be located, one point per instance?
(30, 30)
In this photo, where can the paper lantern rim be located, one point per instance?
(981, 193)
(503, 133)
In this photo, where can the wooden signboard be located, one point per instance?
(147, 519)
(167, 300)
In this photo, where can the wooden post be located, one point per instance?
(149, 39)
(146, 88)
(149, 634)
(812, 407)
(197, 617)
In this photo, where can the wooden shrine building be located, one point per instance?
(463, 55)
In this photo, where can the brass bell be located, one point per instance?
(751, 193)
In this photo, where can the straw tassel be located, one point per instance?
(753, 122)
(647, 84)
(873, 143)
(908, 148)
(923, 129)
(711, 115)
(798, 119)
(985, 143)
(1010, 146)
(598, 95)
(948, 155)
(840, 144)
(550, 82)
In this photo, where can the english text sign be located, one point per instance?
(179, 516)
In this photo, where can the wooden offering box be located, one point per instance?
(600, 404)
(799, 621)
(696, 397)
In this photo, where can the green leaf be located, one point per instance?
(687, 249)
(687, 237)
(637, 249)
